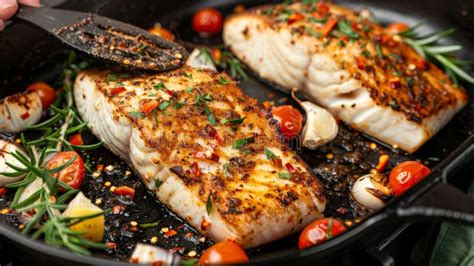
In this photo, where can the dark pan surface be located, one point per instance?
(176, 16)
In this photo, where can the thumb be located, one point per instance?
(7, 9)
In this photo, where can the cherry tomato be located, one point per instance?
(73, 175)
(406, 175)
(44, 91)
(318, 232)
(162, 32)
(289, 119)
(223, 253)
(397, 27)
(207, 21)
(125, 191)
(76, 140)
(3, 191)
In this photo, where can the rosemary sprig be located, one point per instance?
(227, 62)
(429, 49)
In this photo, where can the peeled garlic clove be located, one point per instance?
(197, 60)
(367, 191)
(5, 149)
(320, 127)
(144, 253)
(19, 111)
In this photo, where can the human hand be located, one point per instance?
(8, 8)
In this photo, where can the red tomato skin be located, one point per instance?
(317, 232)
(225, 252)
(405, 175)
(207, 21)
(44, 91)
(76, 168)
(289, 119)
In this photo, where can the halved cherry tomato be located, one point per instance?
(406, 175)
(73, 175)
(162, 32)
(320, 231)
(125, 191)
(397, 27)
(289, 119)
(207, 21)
(76, 140)
(3, 191)
(225, 252)
(44, 91)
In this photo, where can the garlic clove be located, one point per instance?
(369, 192)
(197, 60)
(320, 127)
(144, 253)
(6, 148)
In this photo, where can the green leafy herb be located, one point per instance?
(341, 43)
(228, 62)
(164, 105)
(142, 48)
(329, 231)
(136, 114)
(155, 117)
(158, 183)
(178, 105)
(227, 167)
(270, 155)
(242, 142)
(234, 121)
(189, 90)
(366, 54)
(111, 77)
(202, 98)
(210, 116)
(188, 262)
(312, 32)
(344, 27)
(284, 175)
(150, 225)
(159, 86)
(378, 49)
(188, 75)
(209, 204)
(223, 80)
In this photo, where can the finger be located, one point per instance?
(2, 25)
(29, 2)
(7, 9)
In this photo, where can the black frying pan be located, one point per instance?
(27, 55)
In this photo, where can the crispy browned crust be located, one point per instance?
(192, 121)
(420, 92)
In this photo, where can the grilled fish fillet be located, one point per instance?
(181, 132)
(370, 79)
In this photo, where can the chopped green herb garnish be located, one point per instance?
(366, 54)
(210, 116)
(111, 77)
(270, 155)
(136, 114)
(329, 231)
(242, 142)
(378, 49)
(155, 118)
(158, 183)
(312, 32)
(223, 80)
(284, 175)
(209, 204)
(227, 166)
(189, 89)
(159, 86)
(188, 262)
(164, 105)
(344, 27)
(341, 43)
(150, 225)
(234, 121)
(141, 48)
(188, 75)
(203, 98)
(178, 105)
(318, 20)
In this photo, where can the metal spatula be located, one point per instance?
(106, 38)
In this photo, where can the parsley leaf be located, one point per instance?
(270, 155)
(209, 204)
(242, 142)
(284, 175)
(234, 121)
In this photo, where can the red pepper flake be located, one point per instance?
(327, 28)
(171, 233)
(195, 169)
(148, 107)
(117, 90)
(100, 167)
(180, 226)
(341, 210)
(3, 191)
(125, 191)
(117, 209)
(360, 63)
(290, 168)
(76, 140)
(417, 107)
(290, 219)
(111, 245)
(169, 92)
(422, 64)
(383, 162)
(214, 157)
(189, 234)
(395, 83)
(295, 17)
(25, 116)
(205, 224)
(278, 163)
(323, 7)
(355, 26)
(212, 132)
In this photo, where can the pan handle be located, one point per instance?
(437, 200)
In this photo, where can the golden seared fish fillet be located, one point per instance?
(350, 65)
(210, 153)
